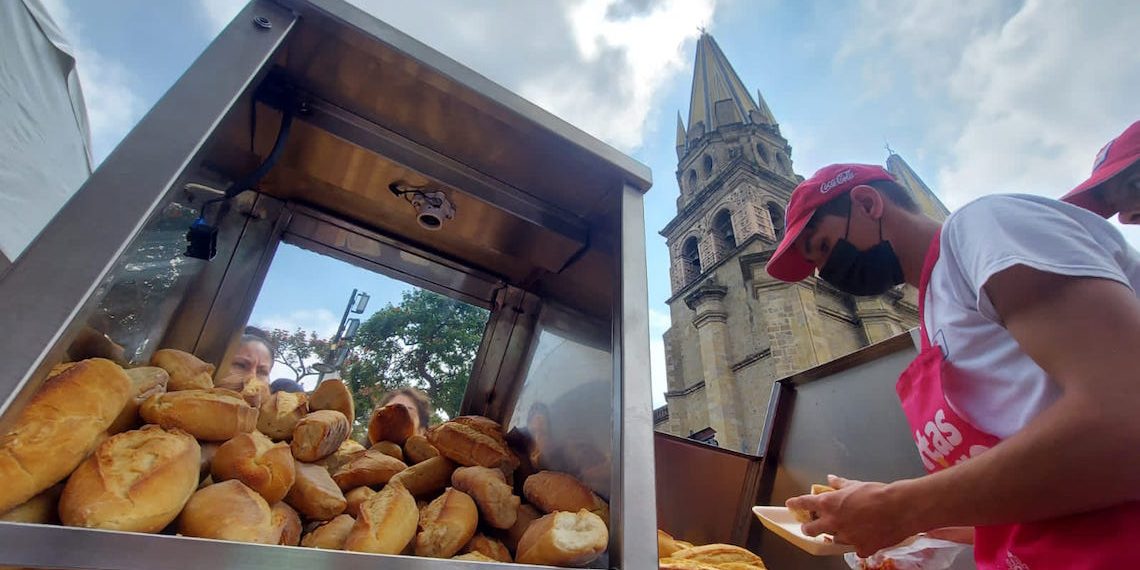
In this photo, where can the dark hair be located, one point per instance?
(254, 334)
(285, 385)
(423, 403)
(895, 192)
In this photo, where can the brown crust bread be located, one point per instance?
(347, 451)
(491, 548)
(564, 539)
(229, 511)
(319, 434)
(254, 459)
(482, 424)
(280, 413)
(41, 509)
(355, 498)
(146, 381)
(314, 493)
(804, 516)
(446, 524)
(332, 394)
(496, 499)
(135, 481)
(390, 449)
(527, 514)
(288, 524)
(330, 535)
(425, 478)
(392, 423)
(476, 556)
(255, 391)
(387, 522)
(718, 554)
(212, 415)
(681, 564)
(369, 468)
(467, 446)
(58, 427)
(187, 372)
(666, 544)
(556, 491)
(417, 449)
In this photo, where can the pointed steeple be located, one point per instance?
(927, 200)
(765, 114)
(719, 97)
(680, 136)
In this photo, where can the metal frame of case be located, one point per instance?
(579, 296)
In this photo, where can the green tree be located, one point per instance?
(299, 350)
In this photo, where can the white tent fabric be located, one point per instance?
(45, 141)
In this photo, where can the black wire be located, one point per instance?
(251, 179)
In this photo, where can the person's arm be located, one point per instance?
(1077, 455)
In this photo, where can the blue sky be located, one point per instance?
(979, 96)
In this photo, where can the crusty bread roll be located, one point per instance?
(446, 524)
(476, 556)
(417, 449)
(211, 415)
(255, 391)
(209, 450)
(526, 515)
(391, 423)
(481, 424)
(467, 446)
(390, 449)
(332, 394)
(136, 481)
(41, 509)
(347, 451)
(368, 468)
(496, 499)
(355, 498)
(254, 459)
(387, 522)
(229, 511)
(804, 516)
(564, 539)
(146, 381)
(555, 491)
(288, 523)
(718, 554)
(666, 545)
(187, 372)
(491, 548)
(330, 535)
(684, 564)
(318, 434)
(314, 493)
(428, 477)
(280, 413)
(735, 565)
(58, 427)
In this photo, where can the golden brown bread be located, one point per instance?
(255, 391)
(555, 491)
(741, 566)
(446, 524)
(280, 413)
(666, 545)
(425, 478)
(807, 516)
(41, 509)
(391, 423)
(212, 415)
(476, 556)
(186, 371)
(368, 468)
(491, 548)
(718, 554)
(229, 511)
(146, 381)
(58, 427)
(288, 524)
(467, 446)
(481, 424)
(563, 539)
(330, 535)
(333, 395)
(390, 449)
(254, 459)
(347, 451)
(496, 499)
(682, 564)
(527, 514)
(417, 449)
(387, 522)
(314, 493)
(135, 481)
(355, 498)
(319, 434)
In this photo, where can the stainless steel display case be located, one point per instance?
(549, 236)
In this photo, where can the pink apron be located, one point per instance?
(1108, 538)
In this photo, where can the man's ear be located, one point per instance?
(868, 200)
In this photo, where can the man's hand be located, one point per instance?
(864, 515)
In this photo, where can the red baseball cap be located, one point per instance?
(824, 186)
(1120, 153)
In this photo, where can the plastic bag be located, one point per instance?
(923, 553)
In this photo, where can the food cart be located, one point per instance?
(311, 123)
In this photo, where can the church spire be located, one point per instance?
(925, 197)
(680, 136)
(719, 97)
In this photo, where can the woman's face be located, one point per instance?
(251, 359)
(410, 404)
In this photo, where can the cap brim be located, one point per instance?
(1083, 196)
(787, 264)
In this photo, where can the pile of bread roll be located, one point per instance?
(162, 449)
(676, 554)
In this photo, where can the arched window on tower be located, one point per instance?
(762, 153)
(776, 214)
(692, 181)
(691, 259)
(707, 165)
(723, 236)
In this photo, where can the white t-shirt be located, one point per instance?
(1000, 389)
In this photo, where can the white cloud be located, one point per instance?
(219, 13)
(321, 321)
(658, 322)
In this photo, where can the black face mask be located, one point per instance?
(870, 272)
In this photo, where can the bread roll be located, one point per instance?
(58, 427)
(564, 539)
(314, 494)
(330, 535)
(390, 449)
(288, 523)
(392, 423)
(368, 468)
(489, 547)
(229, 511)
(718, 554)
(554, 491)
(355, 498)
(680, 564)
(135, 481)
(467, 446)
(666, 545)
(333, 395)
(417, 449)
(804, 516)
(446, 525)
(211, 415)
(736, 565)
(347, 451)
(428, 477)
(186, 371)
(387, 522)
(527, 514)
(495, 498)
(41, 509)
(146, 381)
(209, 450)
(318, 434)
(476, 556)
(254, 459)
(481, 424)
(280, 414)
(255, 391)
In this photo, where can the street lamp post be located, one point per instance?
(357, 302)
